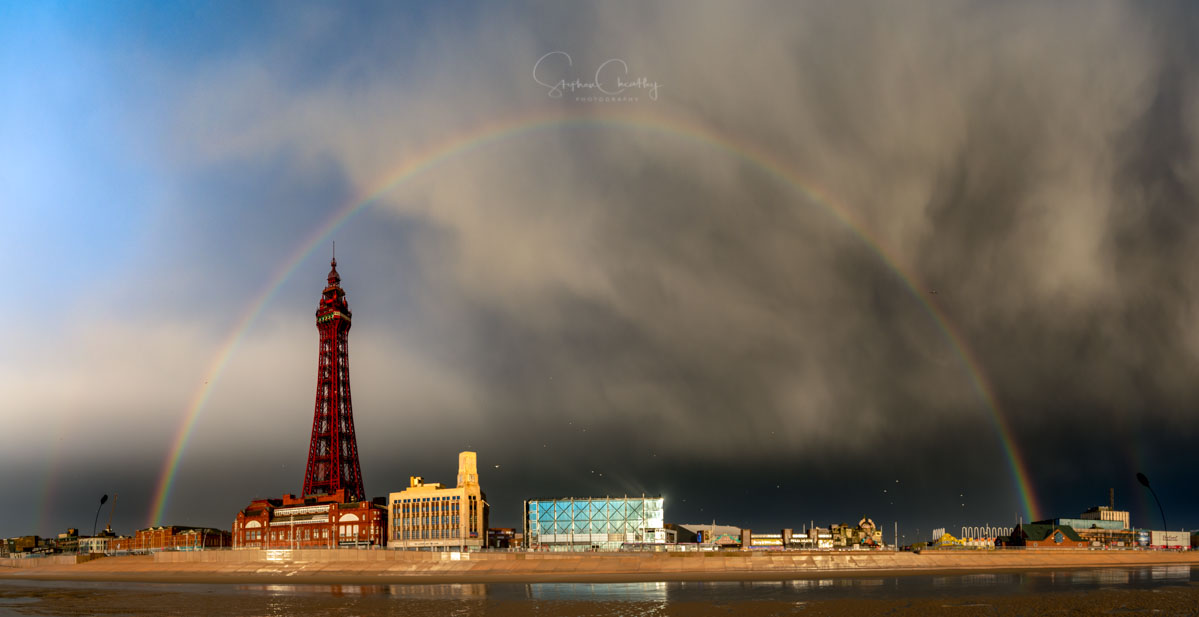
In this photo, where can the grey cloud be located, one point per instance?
(617, 278)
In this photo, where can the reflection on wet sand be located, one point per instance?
(1167, 591)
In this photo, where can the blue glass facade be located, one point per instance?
(605, 523)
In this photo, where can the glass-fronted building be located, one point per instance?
(604, 523)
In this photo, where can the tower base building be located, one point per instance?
(324, 521)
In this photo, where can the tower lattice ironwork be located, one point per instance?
(333, 452)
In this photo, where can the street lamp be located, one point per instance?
(1145, 483)
(96, 521)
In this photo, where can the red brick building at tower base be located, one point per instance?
(316, 521)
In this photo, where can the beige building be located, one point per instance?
(435, 517)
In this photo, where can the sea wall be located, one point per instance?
(41, 562)
(390, 567)
(470, 566)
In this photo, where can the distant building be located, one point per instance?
(1043, 536)
(710, 534)
(751, 539)
(811, 538)
(1097, 532)
(68, 542)
(97, 544)
(1106, 513)
(1170, 539)
(315, 521)
(863, 535)
(435, 517)
(502, 537)
(170, 538)
(23, 544)
(603, 523)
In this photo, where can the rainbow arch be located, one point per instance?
(500, 130)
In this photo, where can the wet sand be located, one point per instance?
(1180, 600)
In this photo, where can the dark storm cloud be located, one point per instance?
(587, 300)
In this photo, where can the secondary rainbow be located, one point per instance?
(676, 127)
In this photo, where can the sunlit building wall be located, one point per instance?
(604, 523)
(434, 517)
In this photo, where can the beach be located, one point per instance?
(1015, 594)
(402, 567)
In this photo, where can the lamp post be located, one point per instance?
(1145, 483)
(96, 521)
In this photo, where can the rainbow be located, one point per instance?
(49, 483)
(613, 117)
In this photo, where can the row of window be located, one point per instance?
(426, 521)
(597, 528)
(307, 533)
(413, 508)
(428, 534)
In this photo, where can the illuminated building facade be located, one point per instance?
(605, 523)
(324, 521)
(170, 538)
(1106, 513)
(435, 517)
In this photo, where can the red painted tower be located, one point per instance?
(333, 453)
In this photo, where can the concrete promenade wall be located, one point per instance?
(52, 560)
(348, 566)
(647, 565)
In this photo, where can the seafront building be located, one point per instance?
(430, 516)
(170, 538)
(1101, 526)
(863, 535)
(1043, 535)
(1097, 532)
(504, 537)
(710, 534)
(604, 523)
(1107, 513)
(315, 521)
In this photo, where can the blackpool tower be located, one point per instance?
(333, 451)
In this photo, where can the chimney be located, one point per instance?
(1111, 498)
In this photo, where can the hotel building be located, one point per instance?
(435, 517)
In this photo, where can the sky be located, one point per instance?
(932, 263)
